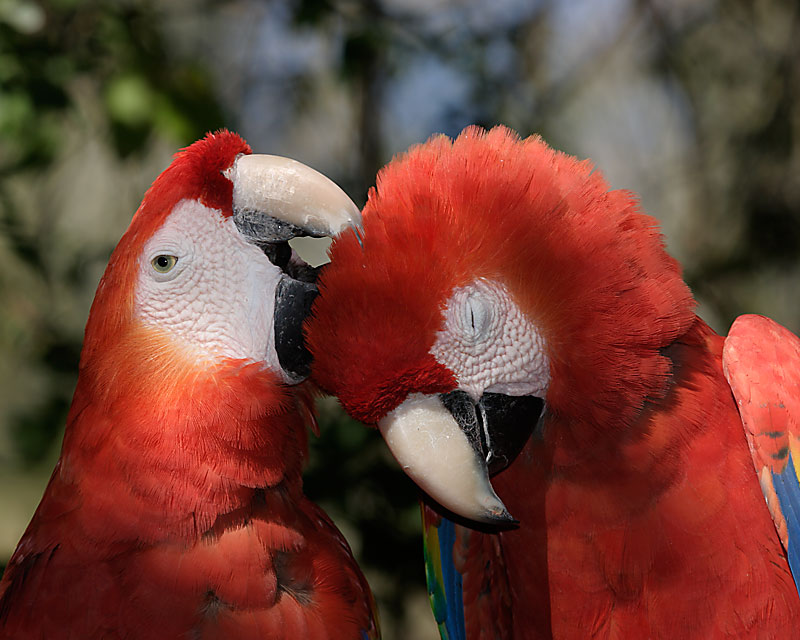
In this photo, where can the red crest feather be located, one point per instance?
(586, 265)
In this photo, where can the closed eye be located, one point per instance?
(481, 314)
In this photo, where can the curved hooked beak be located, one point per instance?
(449, 444)
(276, 199)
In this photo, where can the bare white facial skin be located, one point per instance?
(218, 299)
(432, 449)
(489, 344)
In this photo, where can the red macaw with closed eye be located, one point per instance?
(503, 313)
(176, 508)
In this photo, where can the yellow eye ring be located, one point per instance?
(164, 263)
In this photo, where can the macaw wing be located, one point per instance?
(761, 361)
(467, 581)
(445, 585)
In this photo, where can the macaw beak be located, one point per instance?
(449, 444)
(276, 199)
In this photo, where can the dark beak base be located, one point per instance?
(498, 426)
(293, 300)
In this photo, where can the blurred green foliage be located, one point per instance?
(45, 52)
(120, 46)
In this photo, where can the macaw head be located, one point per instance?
(204, 274)
(494, 281)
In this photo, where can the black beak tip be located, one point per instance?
(503, 518)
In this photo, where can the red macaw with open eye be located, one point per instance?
(503, 313)
(176, 508)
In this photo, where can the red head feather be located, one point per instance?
(138, 392)
(176, 507)
(195, 172)
(586, 266)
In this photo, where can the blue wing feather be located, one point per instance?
(761, 361)
(452, 581)
(445, 586)
(788, 491)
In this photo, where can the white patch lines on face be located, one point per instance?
(219, 297)
(489, 344)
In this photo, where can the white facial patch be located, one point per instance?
(489, 344)
(219, 296)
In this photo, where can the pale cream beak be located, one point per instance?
(292, 193)
(432, 449)
(277, 200)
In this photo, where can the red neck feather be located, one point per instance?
(168, 433)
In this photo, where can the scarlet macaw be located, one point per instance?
(176, 508)
(502, 312)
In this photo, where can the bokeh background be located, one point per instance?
(693, 104)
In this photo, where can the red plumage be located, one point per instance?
(577, 257)
(176, 507)
(640, 514)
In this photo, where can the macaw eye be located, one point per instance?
(164, 263)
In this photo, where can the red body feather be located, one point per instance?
(640, 512)
(176, 508)
(660, 530)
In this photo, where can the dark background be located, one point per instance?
(693, 104)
